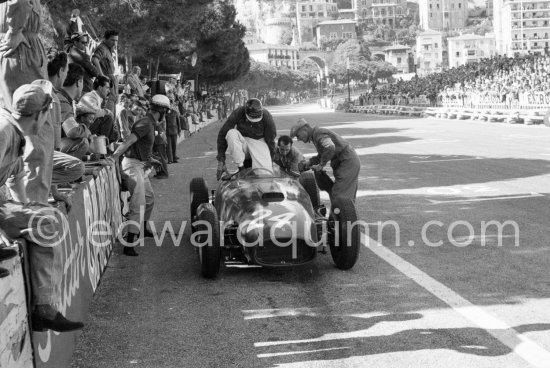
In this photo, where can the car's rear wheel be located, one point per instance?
(307, 179)
(199, 195)
(209, 249)
(345, 239)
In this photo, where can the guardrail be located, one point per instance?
(388, 110)
(527, 114)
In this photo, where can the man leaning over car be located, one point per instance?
(249, 132)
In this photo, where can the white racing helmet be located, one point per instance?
(160, 101)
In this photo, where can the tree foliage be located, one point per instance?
(362, 71)
(263, 77)
(168, 31)
(356, 49)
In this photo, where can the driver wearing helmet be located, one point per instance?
(138, 151)
(248, 133)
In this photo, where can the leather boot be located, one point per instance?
(130, 251)
(46, 317)
(146, 232)
(7, 253)
(4, 273)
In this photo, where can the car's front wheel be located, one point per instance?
(345, 239)
(208, 240)
(199, 195)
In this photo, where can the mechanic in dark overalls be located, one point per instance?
(330, 147)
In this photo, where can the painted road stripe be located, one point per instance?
(532, 195)
(447, 160)
(519, 344)
(300, 352)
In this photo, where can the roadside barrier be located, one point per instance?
(497, 113)
(84, 258)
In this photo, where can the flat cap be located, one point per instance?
(32, 98)
(299, 125)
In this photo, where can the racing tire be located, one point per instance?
(209, 254)
(199, 195)
(307, 179)
(346, 252)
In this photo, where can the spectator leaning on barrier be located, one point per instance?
(74, 137)
(66, 168)
(104, 122)
(136, 165)
(78, 55)
(30, 108)
(249, 132)
(331, 147)
(288, 157)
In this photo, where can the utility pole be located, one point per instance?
(347, 69)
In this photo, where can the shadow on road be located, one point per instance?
(392, 171)
(473, 341)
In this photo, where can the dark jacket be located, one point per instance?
(83, 59)
(265, 128)
(329, 145)
(173, 122)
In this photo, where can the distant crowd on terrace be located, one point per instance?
(522, 79)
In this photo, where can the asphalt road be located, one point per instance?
(437, 285)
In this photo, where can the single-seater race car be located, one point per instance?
(268, 218)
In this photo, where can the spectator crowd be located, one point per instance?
(61, 108)
(521, 79)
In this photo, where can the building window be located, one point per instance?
(437, 6)
(457, 54)
(452, 6)
(333, 35)
(431, 15)
(430, 6)
(435, 45)
(471, 52)
(365, 13)
(398, 60)
(460, 5)
(347, 35)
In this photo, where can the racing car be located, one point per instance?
(269, 218)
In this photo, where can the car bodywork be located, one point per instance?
(269, 216)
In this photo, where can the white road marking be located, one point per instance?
(532, 195)
(194, 157)
(279, 312)
(519, 344)
(447, 160)
(424, 141)
(299, 352)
